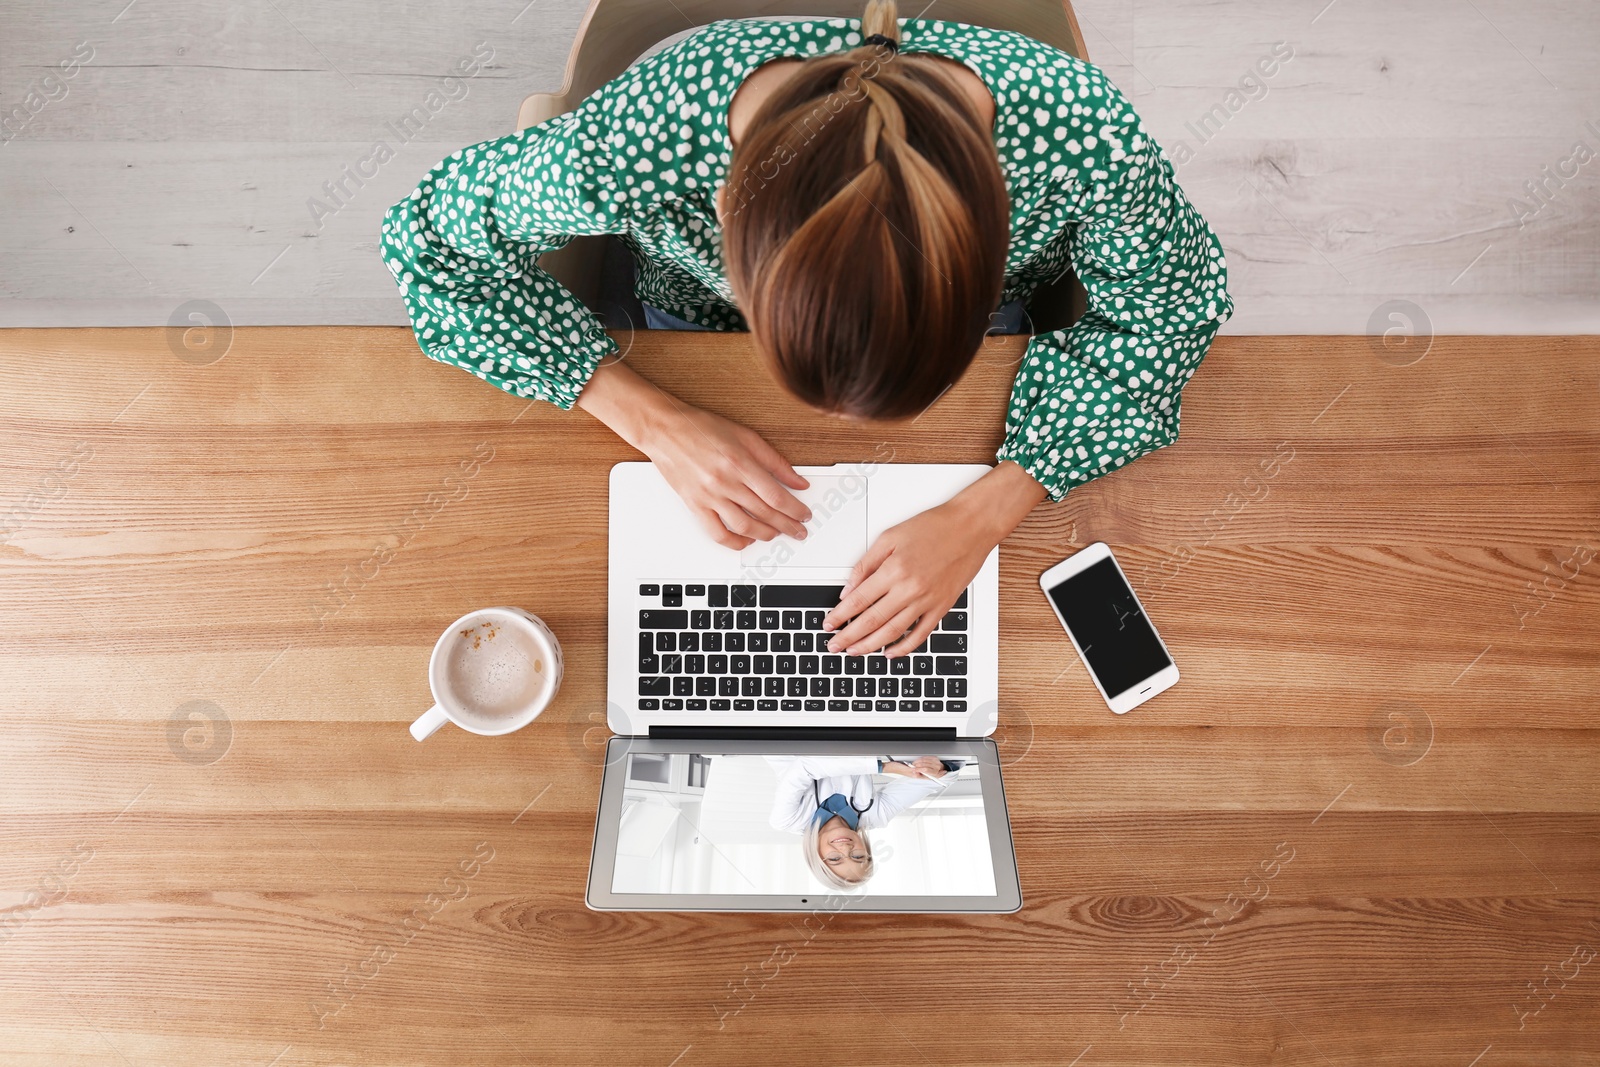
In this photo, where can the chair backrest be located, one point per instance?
(616, 32)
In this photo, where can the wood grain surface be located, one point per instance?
(1383, 161)
(1363, 830)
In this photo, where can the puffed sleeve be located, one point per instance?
(1096, 396)
(463, 248)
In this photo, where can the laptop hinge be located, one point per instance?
(802, 733)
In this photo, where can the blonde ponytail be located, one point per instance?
(881, 19)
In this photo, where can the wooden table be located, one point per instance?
(1364, 823)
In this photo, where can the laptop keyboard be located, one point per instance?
(728, 647)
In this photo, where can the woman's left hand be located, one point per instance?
(914, 572)
(908, 579)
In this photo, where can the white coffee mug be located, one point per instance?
(493, 671)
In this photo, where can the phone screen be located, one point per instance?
(1105, 618)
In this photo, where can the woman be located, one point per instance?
(862, 197)
(832, 801)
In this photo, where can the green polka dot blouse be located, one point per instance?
(643, 158)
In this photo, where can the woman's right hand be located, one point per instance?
(736, 485)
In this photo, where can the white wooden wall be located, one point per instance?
(1378, 164)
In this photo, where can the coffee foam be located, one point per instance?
(493, 671)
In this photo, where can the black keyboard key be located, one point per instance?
(694, 663)
(933, 687)
(809, 665)
(816, 705)
(672, 597)
(766, 705)
(956, 687)
(910, 705)
(705, 687)
(922, 665)
(717, 596)
(956, 643)
(700, 619)
(744, 596)
(749, 687)
(789, 705)
(716, 664)
(861, 705)
(672, 663)
(756, 642)
(769, 620)
(797, 687)
(695, 705)
(654, 687)
(672, 704)
(711, 641)
(961, 601)
(855, 665)
(666, 641)
(650, 590)
(954, 620)
(911, 687)
(733, 642)
(838, 705)
(866, 687)
(922, 647)
(694, 590)
(659, 619)
(832, 664)
(900, 665)
(844, 687)
(958, 706)
(877, 665)
(889, 687)
(784, 664)
(820, 687)
(761, 664)
(745, 620)
(727, 686)
(933, 705)
(722, 620)
(814, 619)
(689, 642)
(772, 687)
(650, 664)
(802, 642)
(649, 704)
(739, 664)
(792, 620)
(744, 705)
(683, 686)
(780, 642)
(884, 705)
(721, 705)
(951, 664)
(800, 596)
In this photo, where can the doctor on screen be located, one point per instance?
(831, 801)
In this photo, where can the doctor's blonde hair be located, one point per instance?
(821, 871)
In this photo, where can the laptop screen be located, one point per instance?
(907, 822)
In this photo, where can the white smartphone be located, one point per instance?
(1107, 624)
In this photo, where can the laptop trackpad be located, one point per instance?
(836, 534)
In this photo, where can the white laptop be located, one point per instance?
(730, 712)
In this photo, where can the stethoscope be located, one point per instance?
(816, 794)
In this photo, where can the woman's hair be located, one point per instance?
(822, 872)
(866, 228)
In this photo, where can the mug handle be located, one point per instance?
(431, 720)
